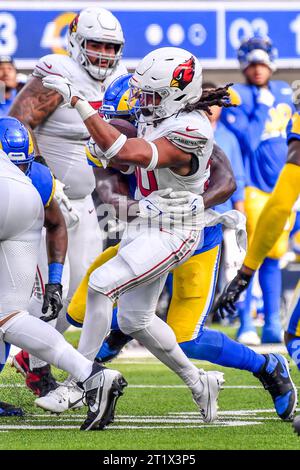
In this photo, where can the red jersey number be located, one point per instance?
(146, 182)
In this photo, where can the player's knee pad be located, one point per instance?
(131, 321)
(207, 346)
(187, 279)
(103, 280)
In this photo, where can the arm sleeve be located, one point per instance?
(274, 215)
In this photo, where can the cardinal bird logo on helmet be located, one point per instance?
(183, 74)
(74, 24)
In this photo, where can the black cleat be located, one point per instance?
(102, 390)
(276, 379)
(6, 409)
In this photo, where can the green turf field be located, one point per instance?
(156, 412)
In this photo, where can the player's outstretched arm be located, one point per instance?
(111, 143)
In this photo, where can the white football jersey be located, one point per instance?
(11, 171)
(191, 132)
(62, 137)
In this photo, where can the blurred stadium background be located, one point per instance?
(212, 30)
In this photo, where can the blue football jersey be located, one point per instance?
(43, 180)
(261, 131)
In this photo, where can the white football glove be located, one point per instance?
(70, 214)
(175, 205)
(265, 97)
(63, 86)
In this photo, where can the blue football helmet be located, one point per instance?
(115, 101)
(16, 142)
(257, 50)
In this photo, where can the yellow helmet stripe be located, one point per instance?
(123, 103)
(30, 145)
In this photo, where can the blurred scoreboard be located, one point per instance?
(211, 30)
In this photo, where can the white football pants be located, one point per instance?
(21, 221)
(84, 244)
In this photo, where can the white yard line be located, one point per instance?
(154, 386)
(172, 420)
(15, 427)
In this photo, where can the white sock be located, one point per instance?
(62, 323)
(96, 325)
(42, 340)
(160, 340)
(35, 309)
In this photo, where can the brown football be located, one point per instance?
(125, 127)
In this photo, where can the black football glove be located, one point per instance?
(52, 298)
(231, 293)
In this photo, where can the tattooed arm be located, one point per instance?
(33, 105)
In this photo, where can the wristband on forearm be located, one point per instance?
(55, 273)
(84, 109)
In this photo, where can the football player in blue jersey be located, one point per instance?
(16, 142)
(275, 214)
(263, 109)
(193, 286)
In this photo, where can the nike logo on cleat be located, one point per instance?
(73, 403)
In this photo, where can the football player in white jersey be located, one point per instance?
(21, 221)
(95, 43)
(171, 156)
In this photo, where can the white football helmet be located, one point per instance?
(170, 72)
(99, 25)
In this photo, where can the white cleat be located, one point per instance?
(65, 397)
(250, 338)
(207, 400)
(102, 390)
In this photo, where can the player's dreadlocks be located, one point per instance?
(212, 97)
